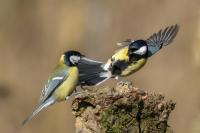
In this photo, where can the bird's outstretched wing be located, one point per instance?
(161, 38)
(91, 72)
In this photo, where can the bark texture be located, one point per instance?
(122, 109)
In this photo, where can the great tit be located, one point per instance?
(63, 80)
(133, 55)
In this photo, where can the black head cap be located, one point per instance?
(137, 45)
(72, 57)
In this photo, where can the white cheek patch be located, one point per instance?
(74, 59)
(141, 51)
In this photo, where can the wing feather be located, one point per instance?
(55, 80)
(161, 38)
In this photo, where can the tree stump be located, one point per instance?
(123, 109)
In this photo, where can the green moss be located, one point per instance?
(168, 130)
(115, 119)
(128, 112)
(151, 125)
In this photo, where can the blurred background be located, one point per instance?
(34, 33)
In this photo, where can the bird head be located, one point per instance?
(71, 58)
(138, 48)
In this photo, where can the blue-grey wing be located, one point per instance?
(55, 80)
(161, 38)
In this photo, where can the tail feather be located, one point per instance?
(106, 75)
(94, 78)
(91, 72)
(40, 108)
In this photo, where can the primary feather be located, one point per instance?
(38, 109)
(161, 38)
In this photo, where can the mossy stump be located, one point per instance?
(123, 109)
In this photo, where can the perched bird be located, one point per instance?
(63, 81)
(132, 56)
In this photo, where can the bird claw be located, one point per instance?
(82, 87)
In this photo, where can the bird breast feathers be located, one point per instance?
(122, 54)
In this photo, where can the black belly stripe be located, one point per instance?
(118, 67)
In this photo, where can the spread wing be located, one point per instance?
(91, 72)
(161, 38)
(55, 80)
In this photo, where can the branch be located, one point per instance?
(122, 109)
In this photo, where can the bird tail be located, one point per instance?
(37, 110)
(92, 72)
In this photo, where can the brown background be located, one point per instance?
(34, 33)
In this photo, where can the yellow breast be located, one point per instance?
(133, 67)
(122, 54)
(68, 86)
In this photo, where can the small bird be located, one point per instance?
(63, 81)
(132, 56)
